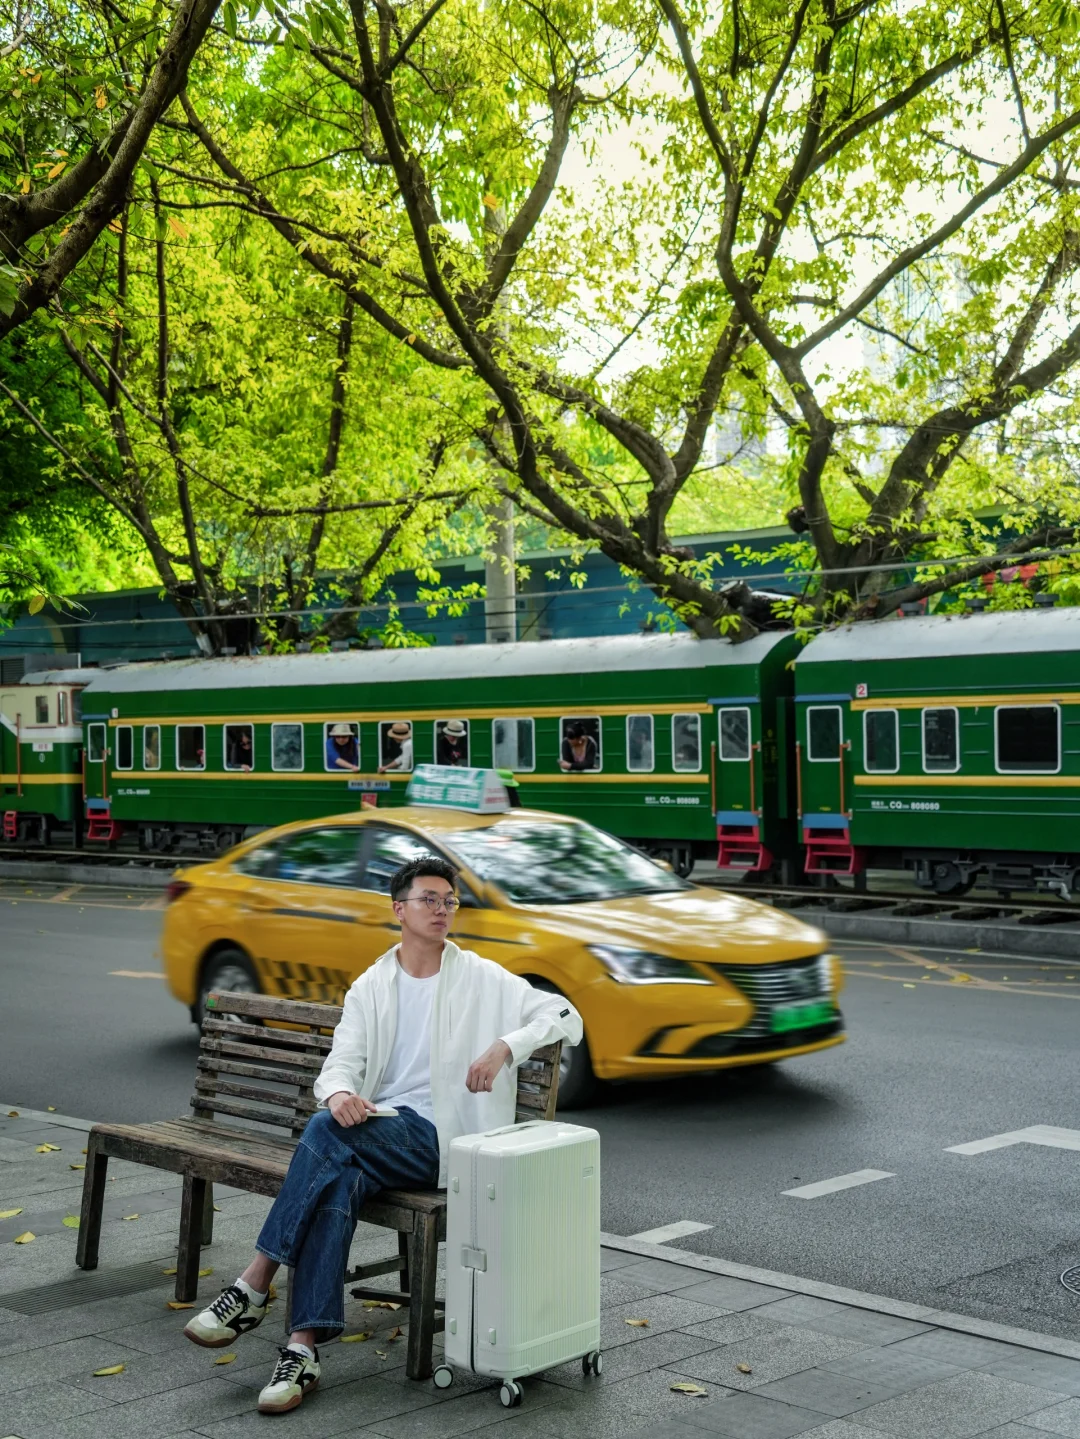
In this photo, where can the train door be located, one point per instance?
(739, 788)
(824, 785)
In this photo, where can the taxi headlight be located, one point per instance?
(639, 966)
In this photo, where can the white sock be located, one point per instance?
(253, 1294)
(299, 1348)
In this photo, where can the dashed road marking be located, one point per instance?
(137, 973)
(841, 1181)
(1048, 1135)
(667, 1232)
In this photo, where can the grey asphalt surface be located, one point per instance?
(943, 1050)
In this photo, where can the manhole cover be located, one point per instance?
(85, 1288)
(1071, 1279)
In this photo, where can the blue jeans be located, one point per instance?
(333, 1171)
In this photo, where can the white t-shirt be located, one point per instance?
(407, 1079)
(404, 759)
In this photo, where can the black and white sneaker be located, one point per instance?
(231, 1314)
(294, 1376)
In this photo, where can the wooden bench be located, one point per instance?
(263, 1078)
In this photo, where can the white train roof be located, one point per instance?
(996, 632)
(443, 662)
(60, 677)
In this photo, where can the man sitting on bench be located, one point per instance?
(400, 1082)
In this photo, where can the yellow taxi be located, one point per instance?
(669, 977)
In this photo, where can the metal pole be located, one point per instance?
(500, 606)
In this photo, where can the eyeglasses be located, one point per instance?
(436, 902)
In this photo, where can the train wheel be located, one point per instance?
(229, 970)
(947, 879)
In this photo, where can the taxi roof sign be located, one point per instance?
(445, 786)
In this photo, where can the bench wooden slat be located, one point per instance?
(287, 1040)
(298, 1103)
(532, 1100)
(256, 1113)
(213, 1064)
(268, 1006)
(241, 1049)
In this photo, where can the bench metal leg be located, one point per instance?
(208, 1216)
(423, 1262)
(93, 1199)
(188, 1253)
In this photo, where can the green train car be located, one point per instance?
(658, 739)
(41, 745)
(946, 745)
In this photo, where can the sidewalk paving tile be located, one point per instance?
(160, 1415)
(835, 1394)
(663, 1311)
(616, 1289)
(956, 1408)
(1061, 1419)
(884, 1366)
(1047, 1371)
(733, 1294)
(769, 1356)
(58, 1361)
(969, 1351)
(185, 1363)
(463, 1415)
(731, 1327)
(751, 1416)
(43, 1402)
(828, 1317)
(629, 1359)
(663, 1277)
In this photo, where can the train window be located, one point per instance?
(579, 747)
(239, 746)
(341, 745)
(151, 746)
(940, 741)
(881, 741)
(823, 733)
(735, 733)
(190, 746)
(452, 742)
(513, 744)
(41, 709)
(395, 746)
(95, 743)
(125, 747)
(61, 707)
(640, 751)
(686, 742)
(321, 856)
(76, 706)
(1028, 739)
(287, 746)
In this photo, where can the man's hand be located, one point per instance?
(349, 1109)
(482, 1071)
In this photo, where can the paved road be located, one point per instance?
(944, 1050)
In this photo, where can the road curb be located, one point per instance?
(856, 1298)
(1024, 940)
(65, 1121)
(118, 876)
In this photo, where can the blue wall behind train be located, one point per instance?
(141, 624)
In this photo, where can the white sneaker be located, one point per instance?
(294, 1376)
(231, 1314)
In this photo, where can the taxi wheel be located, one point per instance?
(229, 970)
(577, 1082)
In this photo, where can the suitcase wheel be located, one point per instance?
(443, 1377)
(511, 1394)
(592, 1363)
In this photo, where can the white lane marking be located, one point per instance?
(667, 1232)
(842, 1181)
(1046, 1134)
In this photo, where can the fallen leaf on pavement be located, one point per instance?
(76, 1166)
(84, 1151)
(271, 1293)
(380, 1304)
(169, 1271)
(381, 1353)
(395, 1333)
(70, 1221)
(47, 1149)
(26, 1238)
(115, 1369)
(637, 1323)
(357, 1338)
(130, 1216)
(961, 979)
(177, 1303)
(203, 1273)
(225, 1359)
(51, 1108)
(909, 986)
(13, 1114)
(217, 1208)
(744, 1368)
(9, 1213)
(694, 1389)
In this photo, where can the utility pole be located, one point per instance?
(500, 574)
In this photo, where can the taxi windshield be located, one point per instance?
(533, 862)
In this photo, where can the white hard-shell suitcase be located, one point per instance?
(522, 1252)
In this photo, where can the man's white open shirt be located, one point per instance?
(476, 1002)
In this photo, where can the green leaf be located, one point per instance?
(228, 18)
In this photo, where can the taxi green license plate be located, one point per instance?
(801, 1016)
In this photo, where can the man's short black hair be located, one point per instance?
(402, 881)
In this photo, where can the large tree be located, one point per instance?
(805, 175)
